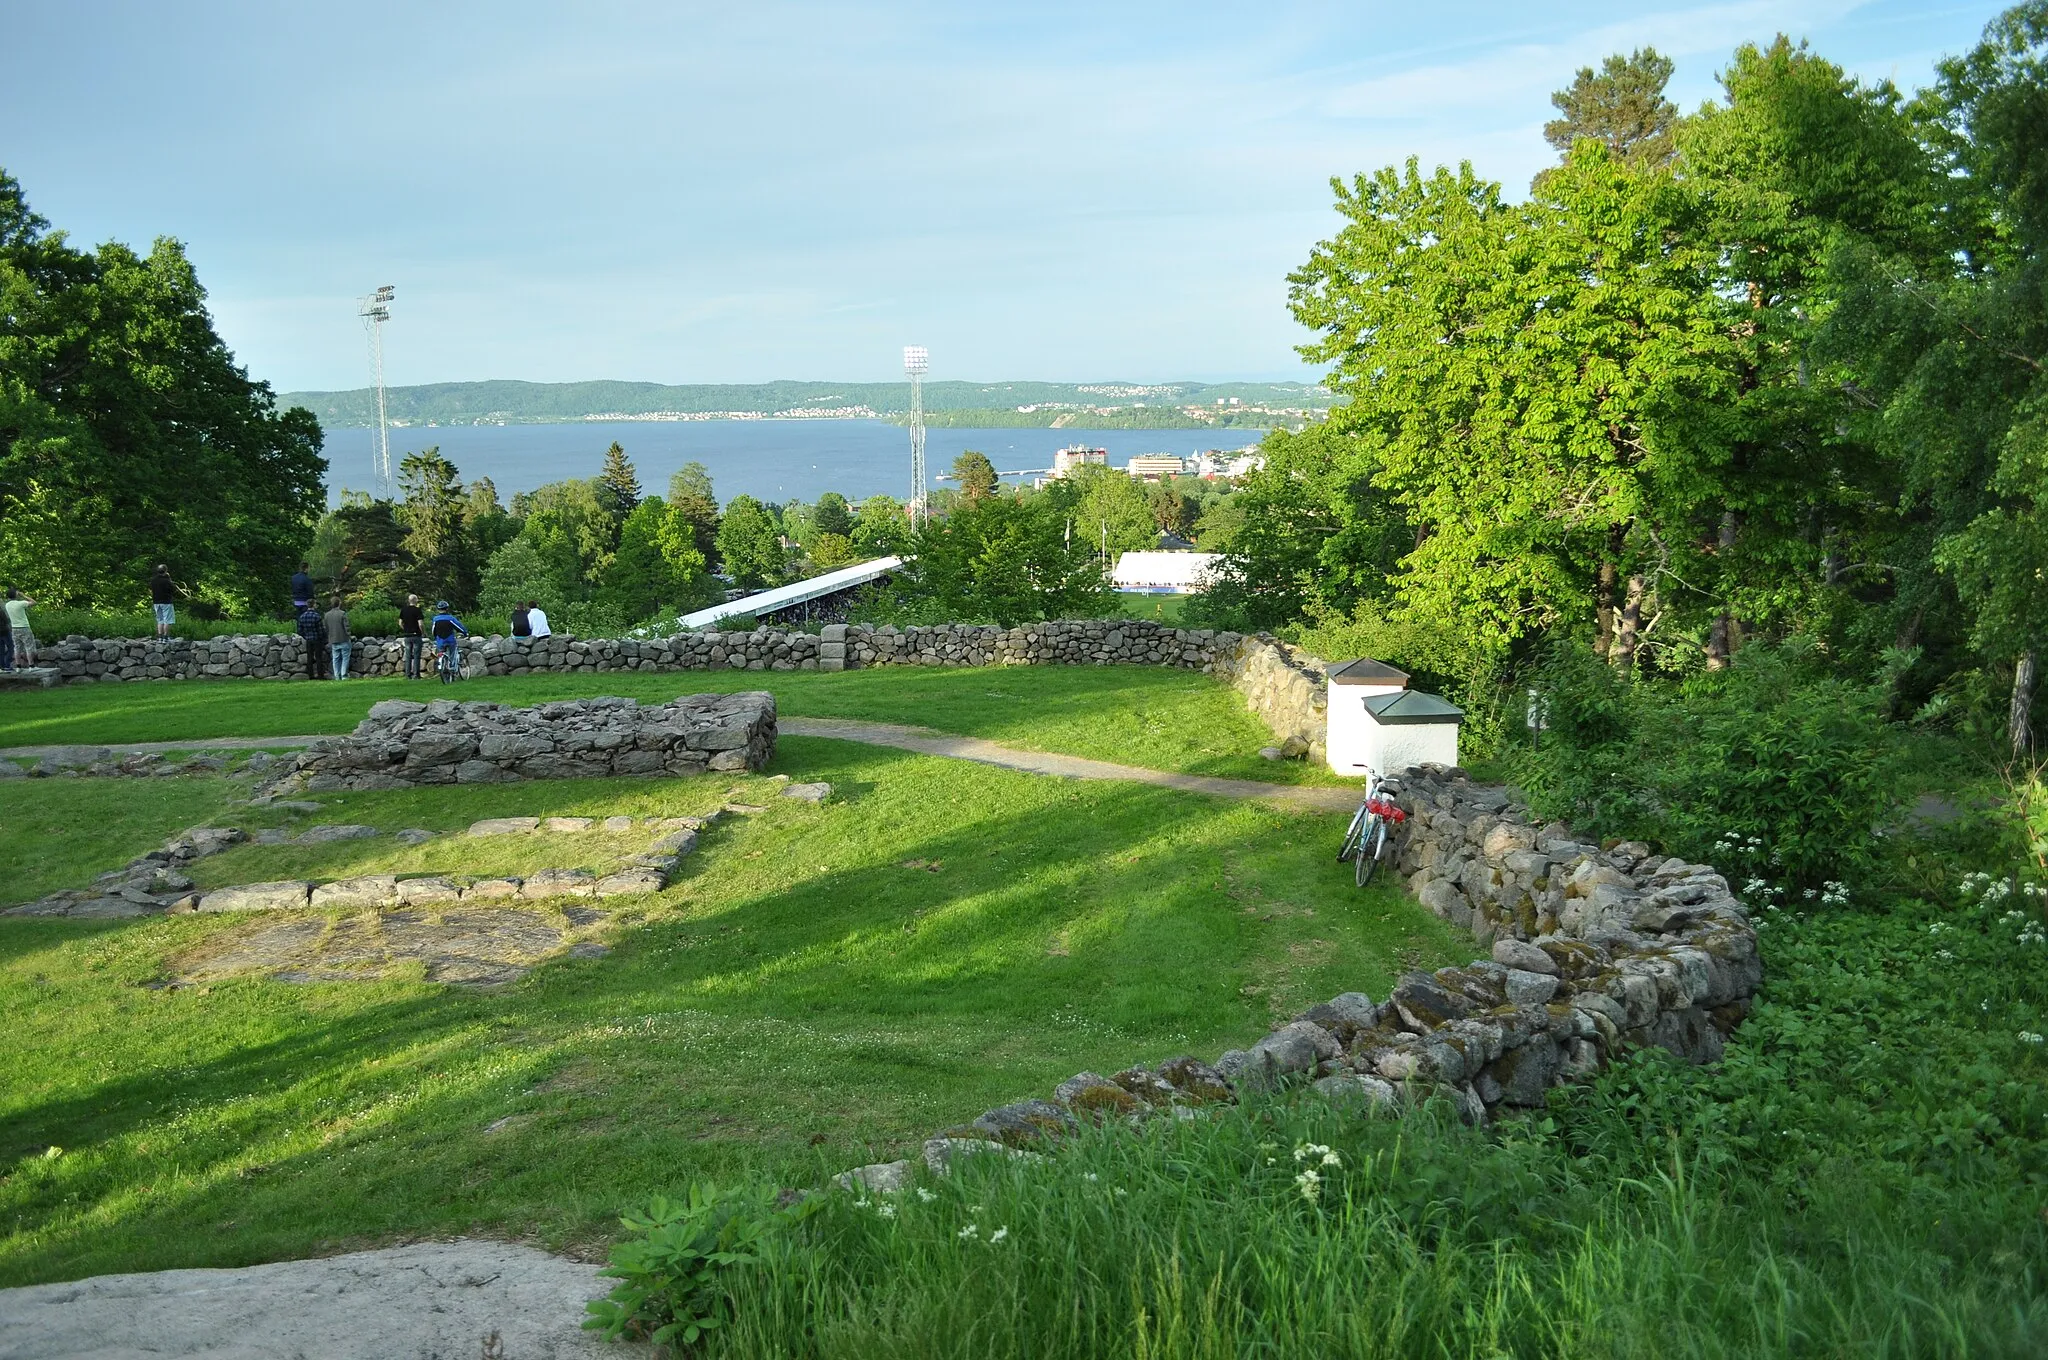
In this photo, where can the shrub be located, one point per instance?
(1767, 753)
(676, 1276)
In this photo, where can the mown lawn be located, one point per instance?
(823, 986)
(1137, 715)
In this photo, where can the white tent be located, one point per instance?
(1164, 573)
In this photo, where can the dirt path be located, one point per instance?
(928, 742)
(920, 739)
(434, 1299)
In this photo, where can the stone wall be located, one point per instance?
(1592, 953)
(1283, 685)
(403, 744)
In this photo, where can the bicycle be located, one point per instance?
(446, 665)
(1375, 827)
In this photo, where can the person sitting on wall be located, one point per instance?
(522, 621)
(537, 619)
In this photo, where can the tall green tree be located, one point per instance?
(1954, 347)
(618, 486)
(690, 495)
(832, 516)
(1621, 106)
(750, 545)
(655, 568)
(1109, 510)
(358, 549)
(1006, 559)
(572, 531)
(130, 436)
(881, 528)
(975, 476)
(444, 562)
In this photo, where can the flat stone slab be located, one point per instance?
(279, 896)
(430, 1299)
(455, 942)
(504, 826)
(568, 823)
(324, 835)
(808, 793)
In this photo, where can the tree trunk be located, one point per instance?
(1624, 651)
(2017, 726)
(1721, 638)
(1603, 607)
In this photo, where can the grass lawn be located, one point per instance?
(1136, 715)
(821, 987)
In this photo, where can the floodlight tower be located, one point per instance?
(917, 361)
(375, 311)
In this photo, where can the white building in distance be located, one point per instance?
(1153, 467)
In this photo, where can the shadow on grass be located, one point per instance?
(855, 975)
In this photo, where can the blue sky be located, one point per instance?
(699, 193)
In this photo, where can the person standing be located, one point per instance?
(409, 620)
(314, 633)
(522, 621)
(163, 595)
(17, 624)
(302, 588)
(537, 619)
(338, 645)
(6, 642)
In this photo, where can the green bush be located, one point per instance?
(676, 1275)
(1768, 761)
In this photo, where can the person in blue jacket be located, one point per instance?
(448, 632)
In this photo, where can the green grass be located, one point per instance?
(1135, 715)
(803, 999)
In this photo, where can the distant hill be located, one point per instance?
(506, 402)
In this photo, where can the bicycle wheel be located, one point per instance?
(1353, 835)
(1370, 848)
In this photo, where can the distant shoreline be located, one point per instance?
(947, 404)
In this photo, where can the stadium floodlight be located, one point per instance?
(375, 310)
(917, 361)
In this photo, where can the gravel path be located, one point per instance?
(920, 739)
(932, 743)
(432, 1301)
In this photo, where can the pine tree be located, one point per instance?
(1621, 106)
(976, 475)
(618, 486)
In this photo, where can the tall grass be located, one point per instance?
(1192, 1240)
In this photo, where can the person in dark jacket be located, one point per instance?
(409, 620)
(163, 595)
(448, 634)
(315, 634)
(522, 622)
(302, 588)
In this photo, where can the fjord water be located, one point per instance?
(775, 460)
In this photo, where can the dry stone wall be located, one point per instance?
(1592, 952)
(403, 745)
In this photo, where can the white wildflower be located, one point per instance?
(1310, 1184)
(2027, 1036)
(998, 1235)
(1090, 1176)
(969, 1233)
(925, 1195)
(1332, 1159)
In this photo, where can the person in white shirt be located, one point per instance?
(537, 617)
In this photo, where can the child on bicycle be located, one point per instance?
(448, 632)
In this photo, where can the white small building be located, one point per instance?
(1377, 725)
